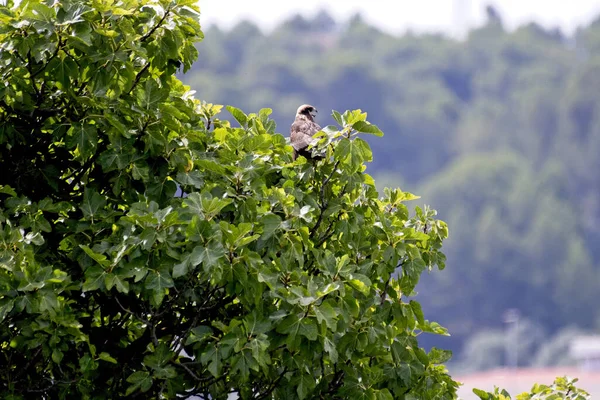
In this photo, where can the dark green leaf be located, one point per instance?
(84, 139)
(140, 380)
(92, 203)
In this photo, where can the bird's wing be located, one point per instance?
(301, 133)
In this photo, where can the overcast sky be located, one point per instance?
(397, 16)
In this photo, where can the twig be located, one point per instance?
(129, 311)
(385, 288)
(387, 284)
(138, 77)
(24, 369)
(58, 47)
(329, 232)
(189, 371)
(324, 204)
(273, 385)
(151, 31)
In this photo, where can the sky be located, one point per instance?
(397, 16)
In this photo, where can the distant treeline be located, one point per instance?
(499, 132)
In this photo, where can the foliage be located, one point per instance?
(150, 248)
(563, 388)
(499, 131)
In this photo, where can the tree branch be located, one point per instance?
(385, 288)
(323, 205)
(151, 31)
(43, 67)
(272, 386)
(188, 370)
(138, 77)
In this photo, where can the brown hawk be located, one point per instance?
(302, 131)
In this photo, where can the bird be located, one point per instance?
(302, 130)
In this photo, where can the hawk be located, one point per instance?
(302, 131)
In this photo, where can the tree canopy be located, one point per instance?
(151, 248)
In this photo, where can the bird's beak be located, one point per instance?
(314, 113)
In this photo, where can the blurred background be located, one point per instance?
(491, 112)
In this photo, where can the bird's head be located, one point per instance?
(307, 110)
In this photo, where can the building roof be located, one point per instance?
(585, 346)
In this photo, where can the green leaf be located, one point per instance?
(92, 203)
(159, 357)
(308, 328)
(384, 394)
(140, 380)
(363, 150)
(365, 127)
(416, 308)
(337, 117)
(48, 302)
(57, 356)
(140, 171)
(212, 206)
(198, 334)
(483, 395)
(73, 14)
(181, 268)
(325, 312)
(86, 363)
(239, 116)
(361, 283)
(104, 356)
(439, 356)
(209, 165)
(63, 69)
(99, 258)
(434, 327)
(114, 280)
(290, 326)
(6, 306)
(351, 117)
(406, 196)
(353, 153)
(44, 15)
(213, 357)
(330, 347)
(107, 32)
(305, 386)
(84, 138)
(158, 282)
(41, 224)
(271, 223)
(205, 205)
(207, 256)
(161, 190)
(94, 278)
(8, 190)
(150, 95)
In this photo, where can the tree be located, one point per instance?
(262, 276)
(561, 388)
